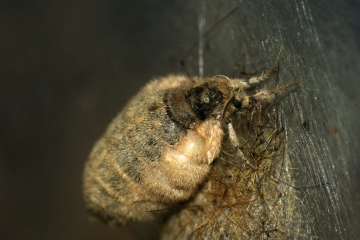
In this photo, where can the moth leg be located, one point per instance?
(235, 142)
(263, 97)
(256, 80)
(269, 96)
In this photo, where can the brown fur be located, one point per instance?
(158, 150)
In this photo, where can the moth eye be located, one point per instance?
(237, 104)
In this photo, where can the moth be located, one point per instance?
(160, 147)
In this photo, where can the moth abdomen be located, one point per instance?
(145, 161)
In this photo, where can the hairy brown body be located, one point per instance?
(158, 150)
(147, 160)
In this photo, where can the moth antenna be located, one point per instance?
(182, 63)
(211, 29)
(220, 21)
(280, 89)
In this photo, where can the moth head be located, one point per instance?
(218, 97)
(240, 99)
(222, 98)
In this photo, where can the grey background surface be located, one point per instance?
(67, 68)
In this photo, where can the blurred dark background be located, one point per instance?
(68, 67)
